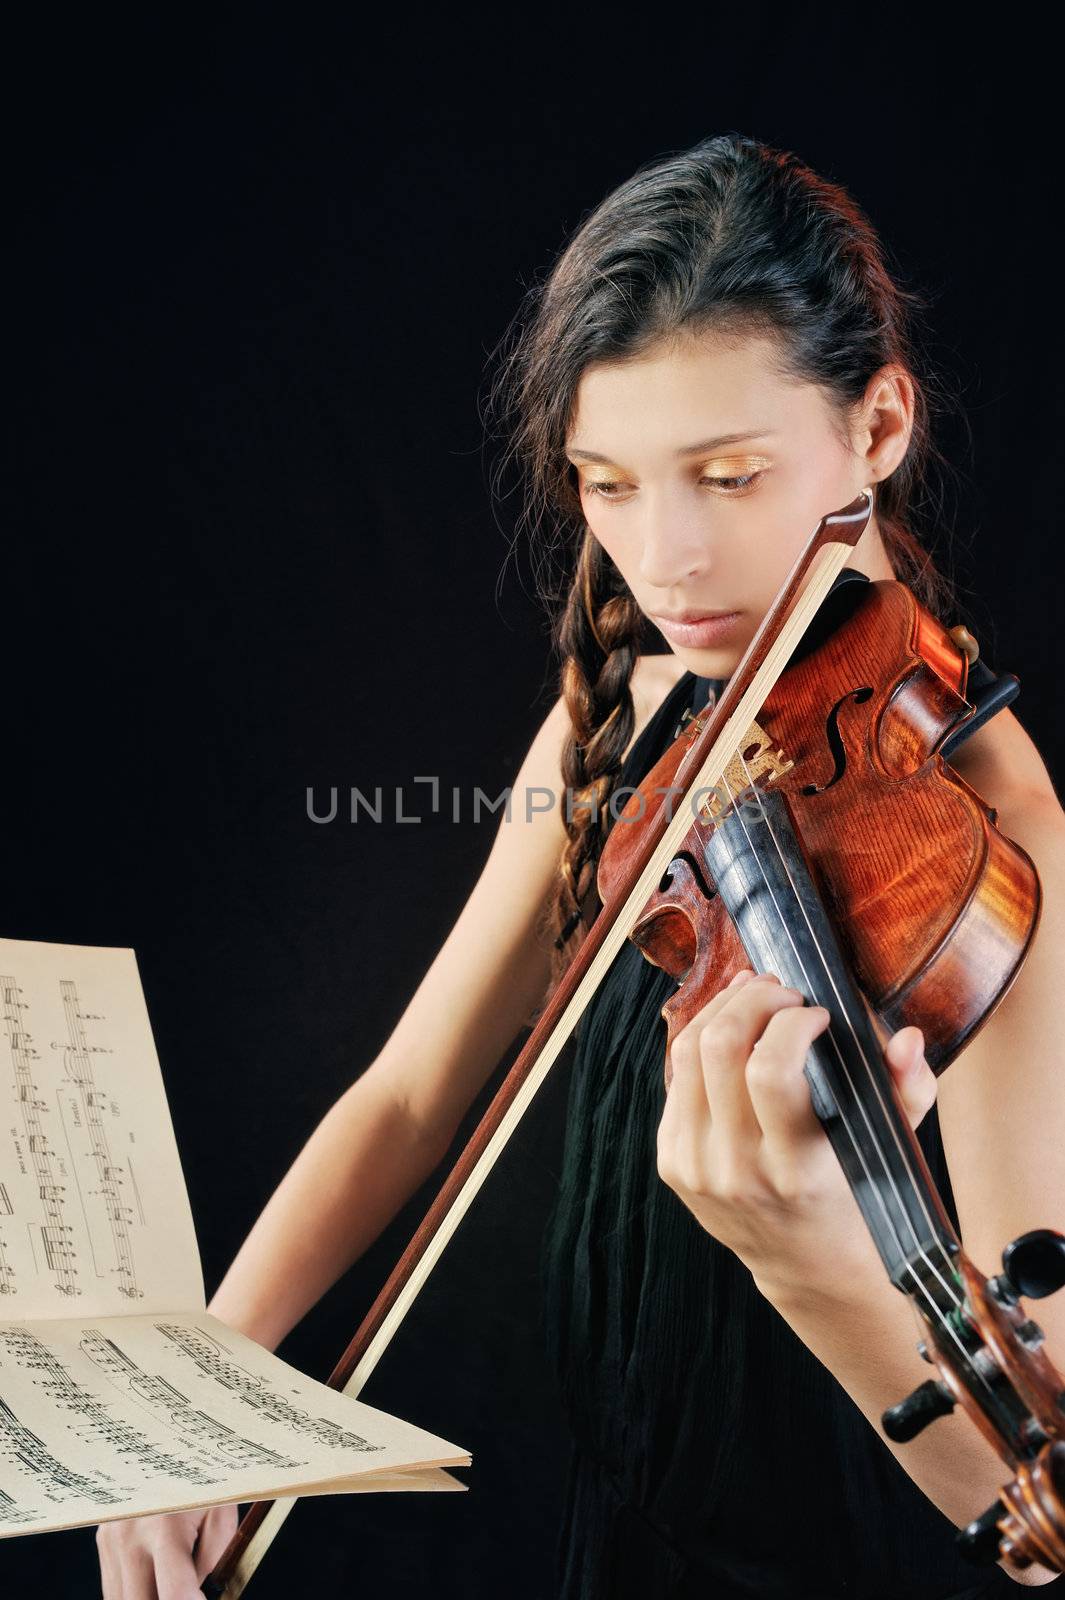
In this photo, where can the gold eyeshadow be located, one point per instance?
(737, 466)
(725, 466)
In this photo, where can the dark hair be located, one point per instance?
(733, 236)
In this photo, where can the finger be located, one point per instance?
(138, 1575)
(726, 1044)
(175, 1573)
(684, 1128)
(110, 1569)
(721, 999)
(777, 1086)
(684, 1132)
(685, 1120)
(912, 1076)
(218, 1528)
(686, 1041)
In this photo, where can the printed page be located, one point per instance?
(113, 1417)
(94, 1214)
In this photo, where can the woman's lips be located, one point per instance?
(700, 634)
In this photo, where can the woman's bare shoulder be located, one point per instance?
(1003, 764)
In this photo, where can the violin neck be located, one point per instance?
(760, 870)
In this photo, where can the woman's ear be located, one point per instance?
(884, 421)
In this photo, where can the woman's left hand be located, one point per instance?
(740, 1144)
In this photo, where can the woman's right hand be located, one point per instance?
(165, 1557)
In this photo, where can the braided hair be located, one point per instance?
(731, 236)
(598, 638)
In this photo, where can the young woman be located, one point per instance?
(718, 358)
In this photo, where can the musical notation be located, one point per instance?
(63, 1170)
(97, 1419)
(119, 1393)
(110, 1174)
(12, 1512)
(78, 1225)
(158, 1394)
(23, 1353)
(208, 1356)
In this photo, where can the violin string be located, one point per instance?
(829, 1032)
(939, 1314)
(936, 1311)
(870, 1071)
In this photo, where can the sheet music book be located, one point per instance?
(119, 1393)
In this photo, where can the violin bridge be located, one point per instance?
(756, 759)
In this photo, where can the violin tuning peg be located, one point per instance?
(927, 1402)
(980, 1542)
(1034, 1264)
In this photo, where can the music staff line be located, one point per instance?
(203, 1447)
(56, 1231)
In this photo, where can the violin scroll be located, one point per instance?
(1028, 1523)
(1017, 1402)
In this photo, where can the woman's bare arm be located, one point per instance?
(388, 1131)
(393, 1126)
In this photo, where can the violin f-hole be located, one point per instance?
(835, 739)
(708, 889)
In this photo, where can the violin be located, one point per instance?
(841, 853)
(821, 837)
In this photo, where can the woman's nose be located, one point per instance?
(673, 547)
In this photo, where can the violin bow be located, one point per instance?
(815, 570)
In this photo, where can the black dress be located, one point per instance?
(713, 1455)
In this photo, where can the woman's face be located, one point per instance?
(703, 471)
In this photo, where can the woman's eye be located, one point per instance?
(608, 489)
(735, 485)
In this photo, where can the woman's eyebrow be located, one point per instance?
(687, 449)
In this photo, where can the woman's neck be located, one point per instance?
(870, 553)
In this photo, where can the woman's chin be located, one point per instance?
(708, 663)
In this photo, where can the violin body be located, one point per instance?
(934, 908)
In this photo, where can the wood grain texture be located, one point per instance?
(934, 906)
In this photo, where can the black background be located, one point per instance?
(253, 549)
